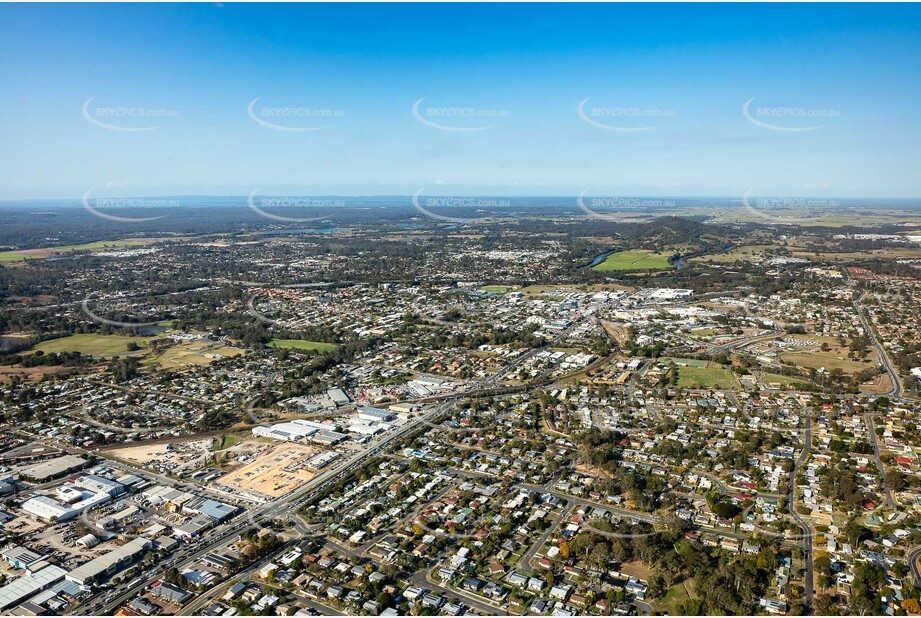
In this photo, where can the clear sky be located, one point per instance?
(501, 86)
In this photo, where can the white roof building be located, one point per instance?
(109, 563)
(289, 432)
(50, 509)
(29, 585)
(374, 415)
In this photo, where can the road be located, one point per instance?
(913, 556)
(881, 468)
(741, 343)
(804, 526)
(896, 389)
(525, 561)
(423, 579)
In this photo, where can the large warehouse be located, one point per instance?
(49, 509)
(110, 563)
(29, 585)
(284, 431)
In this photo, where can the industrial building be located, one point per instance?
(318, 462)
(19, 557)
(161, 494)
(29, 585)
(338, 396)
(367, 429)
(328, 438)
(374, 415)
(53, 468)
(99, 485)
(88, 541)
(299, 430)
(218, 511)
(49, 509)
(290, 432)
(109, 564)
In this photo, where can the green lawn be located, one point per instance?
(497, 289)
(634, 260)
(300, 344)
(674, 596)
(225, 442)
(710, 377)
(88, 343)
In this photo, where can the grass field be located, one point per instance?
(706, 377)
(887, 254)
(775, 379)
(300, 344)
(498, 289)
(97, 345)
(18, 256)
(634, 260)
(828, 360)
(745, 253)
(194, 353)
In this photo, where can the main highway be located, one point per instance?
(896, 389)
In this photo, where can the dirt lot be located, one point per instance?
(275, 472)
(31, 373)
(178, 455)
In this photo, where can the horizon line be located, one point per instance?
(78, 199)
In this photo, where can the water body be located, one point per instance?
(8, 344)
(678, 257)
(150, 331)
(598, 259)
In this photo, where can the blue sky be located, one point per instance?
(668, 81)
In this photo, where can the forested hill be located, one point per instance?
(678, 234)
